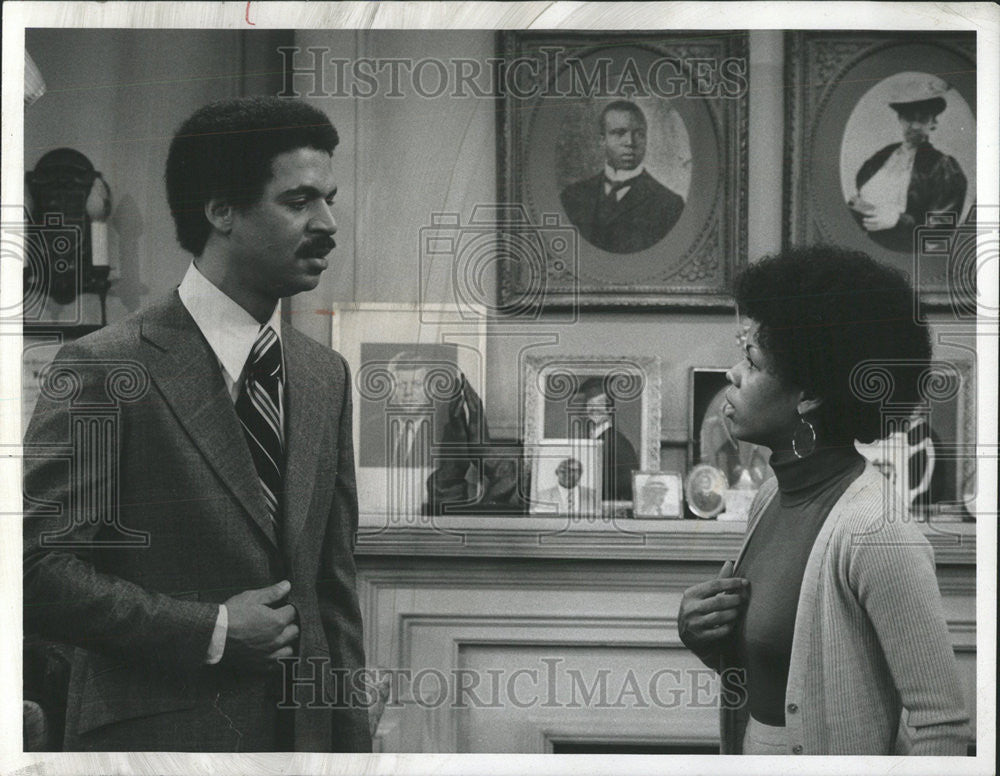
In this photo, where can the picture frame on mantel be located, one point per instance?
(847, 94)
(561, 398)
(405, 359)
(672, 239)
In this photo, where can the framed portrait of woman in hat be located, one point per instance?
(881, 151)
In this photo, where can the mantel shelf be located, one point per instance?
(519, 536)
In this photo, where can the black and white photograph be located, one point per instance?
(881, 129)
(613, 401)
(638, 142)
(399, 429)
(657, 494)
(705, 491)
(503, 388)
(622, 208)
(919, 168)
(419, 378)
(566, 478)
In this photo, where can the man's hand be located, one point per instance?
(710, 609)
(880, 219)
(258, 632)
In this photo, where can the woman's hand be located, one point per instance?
(710, 609)
(880, 219)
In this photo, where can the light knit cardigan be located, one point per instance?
(870, 643)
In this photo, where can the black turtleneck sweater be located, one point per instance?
(775, 561)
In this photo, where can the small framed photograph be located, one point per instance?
(566, 477)
(615, 401)
(657, 494)
(705, 491)
(710, 439)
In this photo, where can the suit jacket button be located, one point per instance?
(792, 708)
(797, 749)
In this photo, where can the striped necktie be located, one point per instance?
(259, 409)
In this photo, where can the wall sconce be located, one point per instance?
(70, 203)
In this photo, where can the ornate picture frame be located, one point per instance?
(841, 129)
(556, 391)
(676, 236)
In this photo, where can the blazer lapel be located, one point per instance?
(187, 373)
(311, 401)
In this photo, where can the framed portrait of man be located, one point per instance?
(401, 422)
(565, 477)
(627, 140)
(657, 494)
(411, 368)
(881, 151)
(613, 401)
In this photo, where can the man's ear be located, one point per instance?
(809, 404)
(219, 213)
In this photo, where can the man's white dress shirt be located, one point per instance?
(231, 332)
(619, 176)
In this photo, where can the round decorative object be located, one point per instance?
(705, 491)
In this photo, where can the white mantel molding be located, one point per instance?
(507, 536)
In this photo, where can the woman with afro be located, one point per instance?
(829, 634)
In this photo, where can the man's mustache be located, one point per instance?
(316, 249)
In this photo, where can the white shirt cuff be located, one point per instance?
(218, 643)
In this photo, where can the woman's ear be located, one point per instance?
(219, 213)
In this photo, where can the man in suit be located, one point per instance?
(399, 432)
(901, 183)
(231, 625)
(618, 456)
(652, 498)
(622, 209)
(568, 497)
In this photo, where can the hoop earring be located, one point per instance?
(809, 444)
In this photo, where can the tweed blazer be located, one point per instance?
(136, 590)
